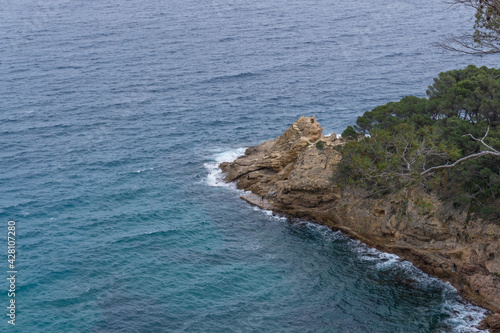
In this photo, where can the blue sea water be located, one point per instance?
(113, 117)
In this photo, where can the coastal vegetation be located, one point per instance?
(320, 145)
(447, 143)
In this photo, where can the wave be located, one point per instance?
(230, 77)
(215, 176)
(462, 316)
(137, 237)
(270, 213)
(142, 170)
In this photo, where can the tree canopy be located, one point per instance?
(448, 142)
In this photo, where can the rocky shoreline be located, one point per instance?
(293, 175)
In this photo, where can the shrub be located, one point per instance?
(350, 133)
(320, 145)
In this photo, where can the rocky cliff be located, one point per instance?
(293, 175)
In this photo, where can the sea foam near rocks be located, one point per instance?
(215, 176)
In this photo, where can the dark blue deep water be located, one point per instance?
(113, 115)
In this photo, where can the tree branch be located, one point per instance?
(486, 36)
(492, 152)
(463, 159)
(482, 140)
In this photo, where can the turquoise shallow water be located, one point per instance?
(113, 117)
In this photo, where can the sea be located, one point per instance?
(113, 118)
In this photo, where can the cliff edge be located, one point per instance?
(293, 175)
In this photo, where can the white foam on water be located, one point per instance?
(142, 170)
(463, 316)
(324, 231)
(215, 176)
(270, 213)
(386, 261)
(383, 260)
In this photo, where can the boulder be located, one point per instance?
(491, 323)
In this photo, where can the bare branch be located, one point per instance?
(463, 159)
(492, 152)
(482, 140)
(486, 36)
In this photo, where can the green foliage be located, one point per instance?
(391, 114)
(472, 94)
(391, 159)
(320, 145)
(401, 139)
(350, 133)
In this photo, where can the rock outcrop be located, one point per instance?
(293, 175)
(492, 323)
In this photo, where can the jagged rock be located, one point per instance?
(289, 164)
(491, 322)
(293, 175)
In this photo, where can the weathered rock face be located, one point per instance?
(295, 169)
(293, 174)
(492, 323)
(435, 237)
